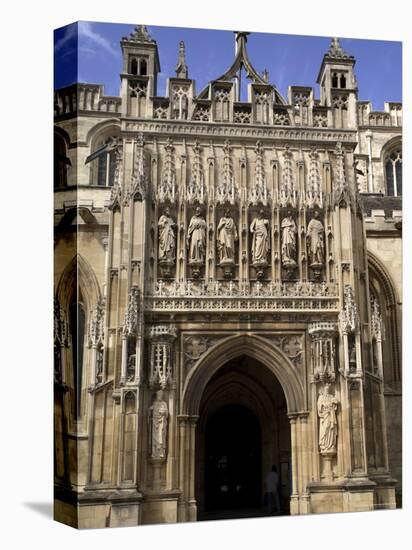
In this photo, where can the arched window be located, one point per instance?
(103, 158)
(60, 162)
(133, 66)
(393, 173)
(334, 80)
(143, 67)
(77, 330)
(342, 81)
(106, 168)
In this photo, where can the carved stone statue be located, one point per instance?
(315, 241)
(226, 237)
(260, 242)
(158, 414)
(289, 231)
(328, 427)
(196, 239)
(167, 239)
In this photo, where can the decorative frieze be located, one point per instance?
(320, 135)
(242, 297)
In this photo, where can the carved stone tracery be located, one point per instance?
(167, 190)
(196, 189)
(258, 193)
(225, 188)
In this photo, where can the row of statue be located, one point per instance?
(227, 235)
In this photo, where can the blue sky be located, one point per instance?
(290, 59)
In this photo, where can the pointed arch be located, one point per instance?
(78, 274)
(389, 302)
(253, 346)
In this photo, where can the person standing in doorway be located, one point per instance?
(272, 491)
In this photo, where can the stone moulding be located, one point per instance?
(218, 296)
(171, 304)
(227, 130)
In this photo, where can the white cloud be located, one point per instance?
(69, 34)
(91, 37)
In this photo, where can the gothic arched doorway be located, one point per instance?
(233, 469)
(243, 430)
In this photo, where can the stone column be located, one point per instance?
(182, 512)
(305, 454)
(294, 497)
(192, 506)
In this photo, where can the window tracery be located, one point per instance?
(393, 173)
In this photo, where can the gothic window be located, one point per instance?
(77, 323)
(342, 81)
(133, 66)
(180, 102)
(340, 111)
(103, 159)
(143, 67)
(106, 169)
(60, 162)
(334, 80)
(222, 105)
(393, 172)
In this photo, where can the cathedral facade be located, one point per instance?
(227, 295)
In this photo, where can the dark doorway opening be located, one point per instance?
(233, 462)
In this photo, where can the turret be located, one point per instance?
(338, 86)
(139, 75)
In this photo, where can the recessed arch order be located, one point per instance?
(261, 349)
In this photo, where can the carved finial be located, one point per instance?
(265, 75)
(181, 67)
(336, 50)
(140, 34)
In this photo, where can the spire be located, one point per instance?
(181, 67)
(140, 34)
(336, 50)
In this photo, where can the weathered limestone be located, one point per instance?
(238, 254)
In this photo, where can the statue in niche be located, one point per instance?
(167, 239)
(158, 416)
(226, 237)
(289, 231)
(328, 427)
(196, 239)
(260, 242)
(315, 241)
